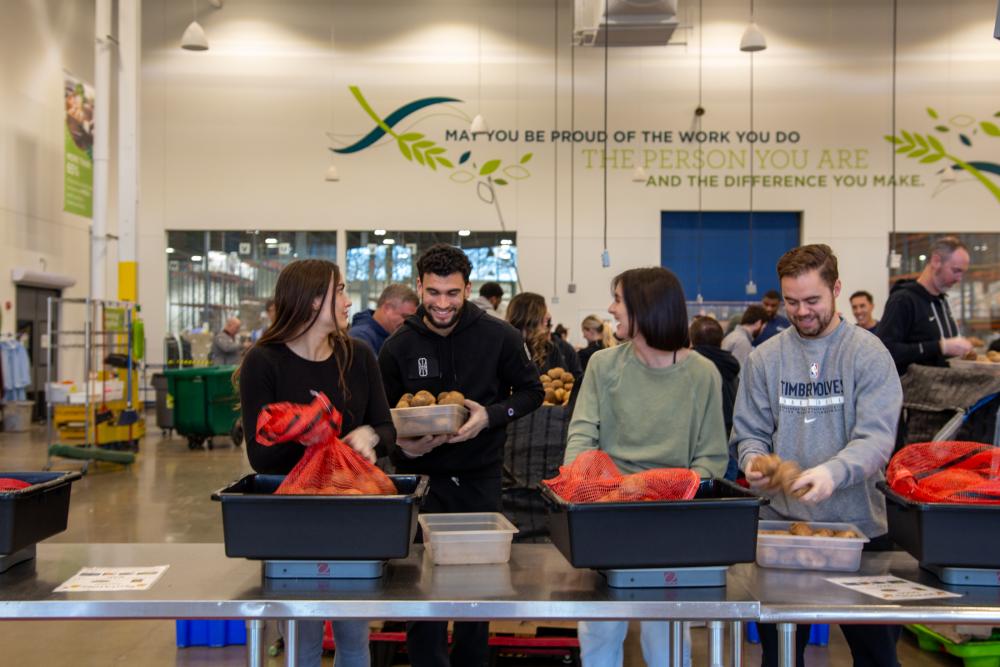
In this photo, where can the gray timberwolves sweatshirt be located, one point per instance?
(831, 401)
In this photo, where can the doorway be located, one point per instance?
(32, 323)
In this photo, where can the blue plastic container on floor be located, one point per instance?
(819, 635)
(211, 633)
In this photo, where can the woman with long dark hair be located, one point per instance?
(651, 402)
(528, 313)
(306, 350)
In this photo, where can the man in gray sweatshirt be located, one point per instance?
(825, 394)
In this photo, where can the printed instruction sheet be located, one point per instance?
(91, 579)
(888, 587)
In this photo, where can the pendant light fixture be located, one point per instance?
(332, 174)
(479, 125)
(753, 39)
(751, 286)
(194, 38)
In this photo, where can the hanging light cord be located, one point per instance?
(753, 140)
(572, 162)
(555, 148)
(892, 233)
(607, 40)
(700, 143)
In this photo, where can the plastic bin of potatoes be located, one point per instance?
(558, 386)
(815, 545)
(422, 413)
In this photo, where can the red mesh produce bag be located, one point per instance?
(594, 478)
(947, 472)
(329, 466)
(11, 484)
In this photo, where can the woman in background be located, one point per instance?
(528, 313)
(598, 336)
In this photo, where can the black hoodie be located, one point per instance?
(729, 369)
(913, 324)
(484, 358)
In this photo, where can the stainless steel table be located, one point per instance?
(788, 597)
(202, 582)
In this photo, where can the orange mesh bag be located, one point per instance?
(947, 472)
(329, 466)
(594, 478)
(11, 484)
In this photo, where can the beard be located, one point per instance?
(444, 325)
(815, 326)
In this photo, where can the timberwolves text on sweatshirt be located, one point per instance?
(831, 401)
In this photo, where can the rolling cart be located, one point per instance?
(205, 404)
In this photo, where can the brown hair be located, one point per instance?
(299, 284)
(526, 312)
(655, 303)
(706, 330)
(753, 314)
(815, 257)
(945, 246)
(597, 325)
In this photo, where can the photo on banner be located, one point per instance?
(78, 169)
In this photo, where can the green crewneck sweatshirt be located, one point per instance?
(650, 417)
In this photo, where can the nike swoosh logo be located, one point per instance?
(810, 421)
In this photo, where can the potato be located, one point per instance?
(800, 528)
(556, 373)
(546, 378)
(993, 356)
(810, 558)
(421, 399)
(557, 384)
(824, 532)
(404, 401)
(560, 395)
(766, 465)
(547, 385)
(452, 398)
(845, 534)
(976, 341)
(550, 396)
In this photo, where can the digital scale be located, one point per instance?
(669, 577)
(8, 561)
(324, 569)
(965, 576)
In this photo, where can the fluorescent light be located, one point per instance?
(196, 258)
(464, 232)
(506, 242)
(270, 240)
(170, 251)
(389, 241)
(379, 232)
(922, 258)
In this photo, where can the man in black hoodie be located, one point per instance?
(451, 345)
(917, 326)
(706, 339)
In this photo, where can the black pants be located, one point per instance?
(871, 645)
(427, 641)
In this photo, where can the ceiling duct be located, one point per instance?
(624, 22)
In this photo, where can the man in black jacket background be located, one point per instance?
(917, 326)
(451, 345)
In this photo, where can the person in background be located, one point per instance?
(490, 297)
(452, 345)
(227, 350)
(706, 340)
(862, 305)
(305, 350)
(528, 313)
(570, 356)
(395, 304)
(598, 336)
(739, 342)
(266, 319)
(822, 394)
(776, 322)
(917, 326)
(653, 373)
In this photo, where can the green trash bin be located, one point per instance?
(204, 404)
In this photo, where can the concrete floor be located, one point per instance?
(164, 497)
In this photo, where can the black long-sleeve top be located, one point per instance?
(485, 359)
(274, 374)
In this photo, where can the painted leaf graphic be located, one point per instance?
(526, 157)
(444, 162)
(964, 139)
(405, 150)
(931, 113)
(411, 136)
(931, 158)
(990, 129)
(465, 157)
(941, 128)
(419, 157)
(435, 151)
(918, 152)
(920, 140)
(489, 167)
(935, 144)
(499, 181)
(907, 136)
(892, 139)
(422, 144)
(430, 163)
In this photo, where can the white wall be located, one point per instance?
(234, 138)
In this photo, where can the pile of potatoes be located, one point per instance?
(425, 398)
(558, 386)
(990, 357)
(809, 557)
(802, 529)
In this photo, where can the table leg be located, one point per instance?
(716, 639)
(676, 629)
(291, 643)
(736, 636)
(255, 643)
(786, 645)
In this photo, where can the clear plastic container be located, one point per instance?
(474, 538)
(428, 420)
(796, 552)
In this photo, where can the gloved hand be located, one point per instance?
(757, 481)
(821, 481)
(363, 440)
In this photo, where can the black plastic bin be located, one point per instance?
(717, 527)
(944, 534)
(34, 513)
(259, 525)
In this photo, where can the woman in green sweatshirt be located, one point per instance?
(650, 403)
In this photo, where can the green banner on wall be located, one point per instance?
(78, 163)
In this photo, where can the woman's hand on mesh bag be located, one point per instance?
(363, 440)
